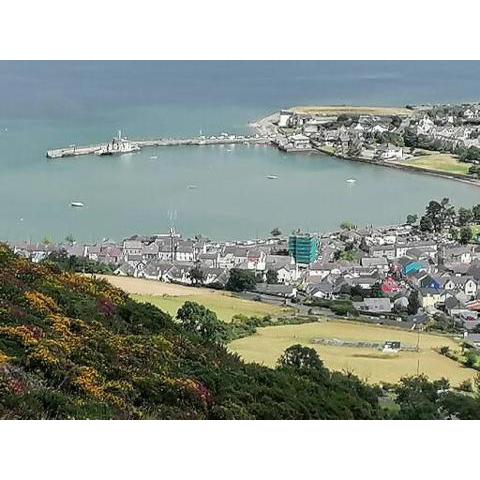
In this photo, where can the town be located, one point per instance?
(424, 273)
(405, 138)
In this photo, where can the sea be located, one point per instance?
(45, 105)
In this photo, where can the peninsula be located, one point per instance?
(441, 140)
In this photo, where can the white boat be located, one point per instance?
(153, 157)
(351, 180)
(77, 204)
(118, 145)
(192, 187)
(272, 177)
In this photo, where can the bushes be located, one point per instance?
(342, 308)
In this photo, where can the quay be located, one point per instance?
(122, 145)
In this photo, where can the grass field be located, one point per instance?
(331, 110)
(170, 297)
(441, 162)
(224, 305)
(268, 344)
(141, 286)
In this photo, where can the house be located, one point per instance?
(300, 142)
(279, 290)
(387, 251)
(365, 283)
(210, 259)
(215, 275)
(132, 247)
(150, 252)
(323, 290)
(256, 259)
(462, 254)
(389, 286)
(389, 152)
(284, 266)
(284, 119)
(374, 305)
(429, 246)
(232, 256)
(125, 270)
(464, 283)
(379, 263)
(431, 297)
(156, 270)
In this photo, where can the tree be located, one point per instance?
(348, 226)
(465, 216)
(438, 215)
(276, 232)
(412, 218)
(197, 275)
(196, 318)
(272, 276)
(241, 280)
(413, 303)
(300, 357)
(466, 235)
(69, 238)
(476, 212)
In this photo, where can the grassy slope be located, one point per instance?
(441, 162)
(268, 344)
(72, 347)
(225, 306)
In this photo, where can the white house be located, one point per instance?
(284, 118)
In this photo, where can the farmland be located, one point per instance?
(370, 365)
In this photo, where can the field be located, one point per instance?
(141, 286)
(441, 162)
(224, 305)
(170, 297)
(332, 110)
(371, 365)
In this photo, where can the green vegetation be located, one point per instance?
(72, 347)
(241, 280)
(78, 264)
(226, 306)
(440, 162)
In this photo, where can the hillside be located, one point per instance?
(72, 347)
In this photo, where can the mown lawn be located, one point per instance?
(441, 162)
(224, 305)
(266, 346)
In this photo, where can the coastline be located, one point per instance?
(401, 166)
(265, 125)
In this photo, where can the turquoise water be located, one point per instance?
(51, 104)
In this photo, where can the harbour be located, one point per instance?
(121, 144)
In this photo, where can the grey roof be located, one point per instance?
(372, 261)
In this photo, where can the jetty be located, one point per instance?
(135, 145)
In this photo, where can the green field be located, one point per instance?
(224, 305)
(332, 110)
(371, 365)
(441, 162)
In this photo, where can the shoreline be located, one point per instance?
(266, 124)
(400, 166)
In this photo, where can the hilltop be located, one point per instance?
(73, 347)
